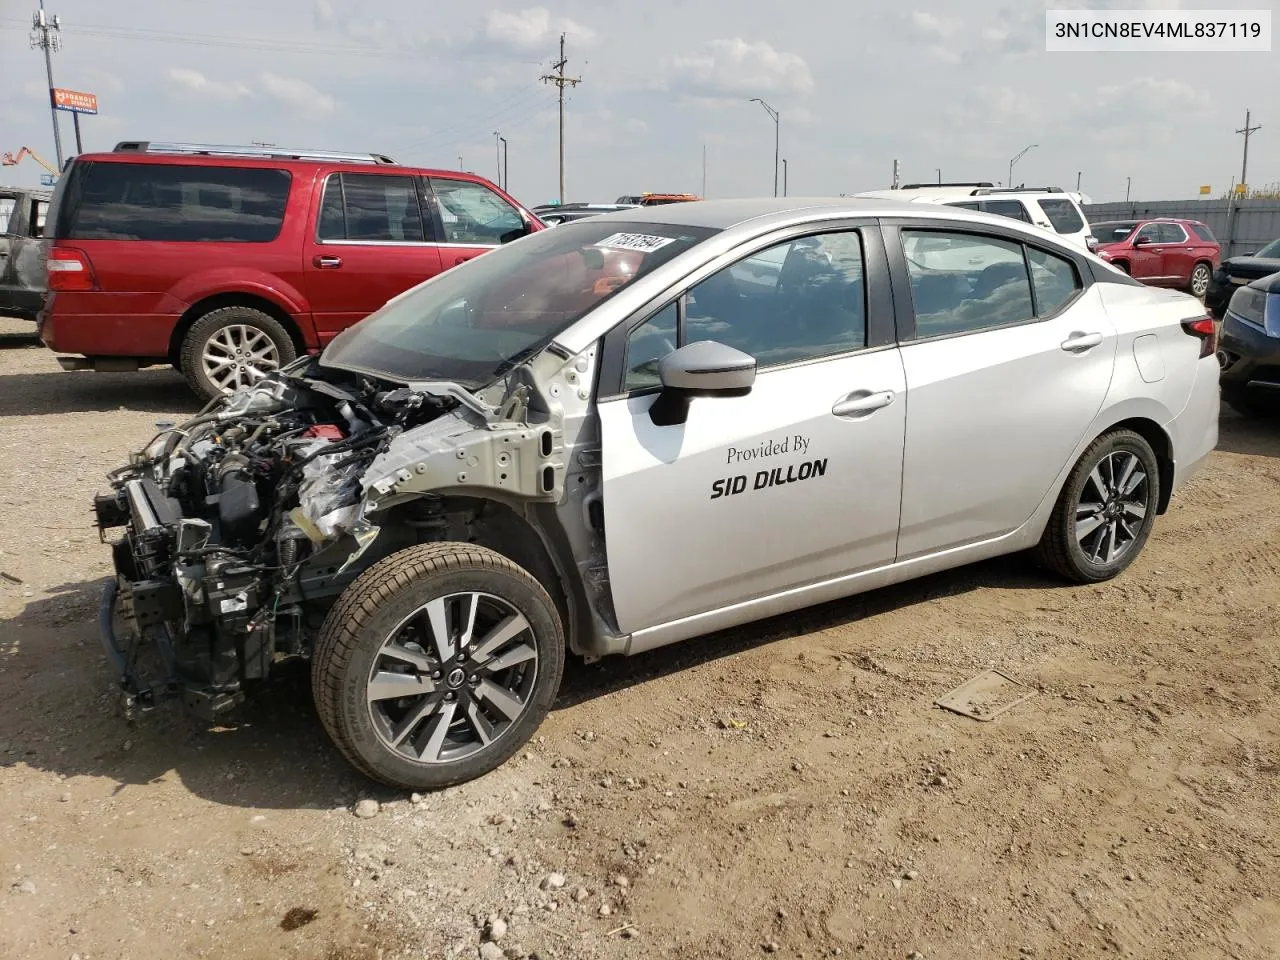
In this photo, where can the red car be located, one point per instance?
(227, 262)
(1163, 253)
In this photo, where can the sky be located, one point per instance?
(960, 86)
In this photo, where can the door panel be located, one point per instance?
(1177, 253)
(753, 494)
(993, 417)
(1145, 261)
(366, 246)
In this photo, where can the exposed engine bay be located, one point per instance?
(245, 523)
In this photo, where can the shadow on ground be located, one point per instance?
(162, 390)
(60, 709)
(1253, 436)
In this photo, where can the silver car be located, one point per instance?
(636, 429)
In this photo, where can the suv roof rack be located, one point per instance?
(985, 190)
(964, 183)
(209, 149)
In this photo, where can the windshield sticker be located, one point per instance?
(643, 242)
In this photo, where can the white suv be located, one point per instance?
(1051, 208)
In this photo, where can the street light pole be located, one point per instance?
(1128, 182)
(497, 155)
(784, 176)
(1016, 159)
(776, 134)
(506, 184)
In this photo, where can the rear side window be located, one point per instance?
(371, 207)
(1063, 215)
(172, 202)
(1054, 279)
(1172, 233)
(961, 282)
(1007, 208)
(1204, 233)
(7, 206)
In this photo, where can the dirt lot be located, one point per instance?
(786, 789)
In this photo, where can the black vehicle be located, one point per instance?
(1249, 348)
(22, 271)
(1238, 271)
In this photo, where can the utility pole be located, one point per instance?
(1128, 182)
(704, 172)
(561, 81)
(497, 155)
(1248, 131)
(784, 176)
(45, 35)
(776, 123)
(1078, 175)
(505, 182)
(895, 175)
(939, 176)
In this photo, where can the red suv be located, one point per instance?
(1163, 253)
(229, 261)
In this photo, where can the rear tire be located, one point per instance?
(472, 640)
(1198, 286)
(1105, 511)
(233, 347)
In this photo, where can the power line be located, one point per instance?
(561, 81)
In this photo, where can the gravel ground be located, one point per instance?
(784, 789)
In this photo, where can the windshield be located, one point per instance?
(1272, 249)
(474, 322)
(1112, 232)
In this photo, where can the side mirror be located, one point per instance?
(703, 369)
(1141, 241)
(523, 230)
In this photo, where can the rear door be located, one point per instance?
(369, 241)
(471, 219)
(1178, 253)
(1008, 356)
(9, 216)
(794, 483)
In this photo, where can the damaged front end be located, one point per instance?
(242, 525)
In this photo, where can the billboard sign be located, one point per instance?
(74, 101)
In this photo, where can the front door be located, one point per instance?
(1005, 371)
(370, 242)
(1145, 259)
(472, 219)
(794, 483)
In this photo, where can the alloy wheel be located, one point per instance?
(238, 355)
(1113, 505)
(1199, 280)
(452, 678)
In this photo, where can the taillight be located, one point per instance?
(69, 269)
(1206, 330)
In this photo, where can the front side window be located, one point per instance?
(477, 321)
(370, 207)
(1150, 233)
(963, 282)
(647, 345)
(472, 213)
(172, 202)
(1063, 215)
(1172, 233)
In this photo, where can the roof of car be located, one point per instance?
(722, 214)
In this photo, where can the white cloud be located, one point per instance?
(324, 14)
(298, 94)
(197, 82)
(736, 68)
(936, 26)
(532, 28)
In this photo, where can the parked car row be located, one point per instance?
(1164, 253)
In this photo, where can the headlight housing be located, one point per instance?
(1249, 304)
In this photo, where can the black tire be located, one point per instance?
(378, 608)
(1201, 274)
(229, 322)
(1061, 550)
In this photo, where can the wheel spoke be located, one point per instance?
(483, 728)
(1109, 539)
(521, 654)
(1137, 511)
(415, 658)
(503, 633)
(1095, 476)
(1134, 481)
(1129, 465)
(439, 728)
(402, 730)
(1088, 525)
(503, 700)
(434, 620)
(387, 685)
(470, 606)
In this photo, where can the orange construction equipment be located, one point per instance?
(9, 160)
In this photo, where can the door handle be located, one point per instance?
(463, 259)
(862, 403)
(327, 262)
(1081, 341)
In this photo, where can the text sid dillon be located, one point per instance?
(792, 473)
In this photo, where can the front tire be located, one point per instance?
(233, 347)
(437, 664)
(1105, 511)
(1199, 283)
